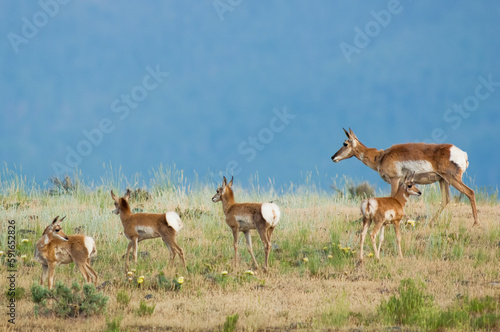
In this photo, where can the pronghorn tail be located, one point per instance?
(271, 213)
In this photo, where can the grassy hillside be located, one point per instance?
(315, 281)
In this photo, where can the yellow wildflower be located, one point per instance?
(180, 280)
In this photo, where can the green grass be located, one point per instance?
(113, 324)
(145, 309)
(413, 306)
(334, 313)
(319, 225)
(230, 323)
(408, 306)
(123, 298)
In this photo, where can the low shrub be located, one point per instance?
(65, 302)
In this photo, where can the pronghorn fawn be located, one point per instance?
(143, 226)
(385, 210)
(243, 217)
(56, 248)
(430, 162)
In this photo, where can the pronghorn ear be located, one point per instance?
(402, 179)
(224, 181)
(346, 133)
(411, 177)
(55, 220)
(113, 196)
(62, 219)
(408, 176)
(127, 194)
(352, 134)
(230, 184)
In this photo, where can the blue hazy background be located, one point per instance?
(232, 64)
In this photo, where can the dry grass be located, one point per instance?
(453, 259)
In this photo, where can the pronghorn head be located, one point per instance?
(222, 190)
(347, 150)
(120, 203)
(55, 229)
(408, 183)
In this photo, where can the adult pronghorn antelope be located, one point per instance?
(430, 162)
(55, 248)
(143, 226)
(384, 210)
(242, 217)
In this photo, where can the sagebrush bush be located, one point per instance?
(17, 294)
(362, 190)
(65, 302)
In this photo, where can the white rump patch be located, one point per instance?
(459, 157)
(389, 215)
(364, 204)
(174, 221)
(271, 213)
(366, 210)
(90, 245)
(417, 166)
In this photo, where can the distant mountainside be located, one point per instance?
(205, 85)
